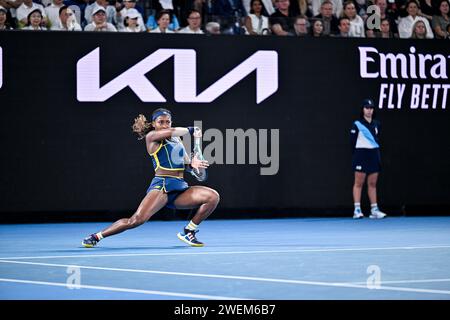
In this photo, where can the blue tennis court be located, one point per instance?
(303, 258)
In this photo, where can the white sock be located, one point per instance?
(357, 206)
(192, 226)
(374, 207)
(99, 236)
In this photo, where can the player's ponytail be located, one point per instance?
(141, 126)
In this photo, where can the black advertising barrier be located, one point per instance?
(68, 101)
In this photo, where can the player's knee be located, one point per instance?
(371, 184)
(358, 184)
(214, 197)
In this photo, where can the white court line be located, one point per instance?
(219, 276)
(228, 252)
(149, 292)
(407, 281)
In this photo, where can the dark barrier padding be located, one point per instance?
(61, 156)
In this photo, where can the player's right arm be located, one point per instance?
(162, 134)
(154, 137)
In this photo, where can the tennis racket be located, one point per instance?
(199, 174)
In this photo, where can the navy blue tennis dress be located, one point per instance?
(169, 156)
(366, 148)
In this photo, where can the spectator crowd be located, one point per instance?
(418, 19)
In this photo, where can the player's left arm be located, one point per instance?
(353, 136)
(193, 162)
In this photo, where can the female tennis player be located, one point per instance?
(366, 160)
(168, 187)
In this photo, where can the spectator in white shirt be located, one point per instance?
(256, 23)
(67, 20)
(194, 20)
(26, 8)
(131, 22)
(122, 12)
(405, 26)
(52, 11)
(110, 11)
(35, 20)
(46, 3)
(356, 22)
(99, 22)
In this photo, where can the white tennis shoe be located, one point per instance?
(358, 214)
(377, 214)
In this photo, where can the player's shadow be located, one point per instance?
(140, 248)
(114, 249)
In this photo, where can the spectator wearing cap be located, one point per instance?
(128, 5)
(163, 20)
(131, 22)
(66, 21)
(194, 20)
(99, 22)
(110, 11)
(52, 12)
(35, 21)
(212, 28)
(3, 24)
(25, 9)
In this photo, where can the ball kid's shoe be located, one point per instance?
(377, 214)
(358, 214)
(188, 236)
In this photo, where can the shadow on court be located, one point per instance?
(329, 258)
